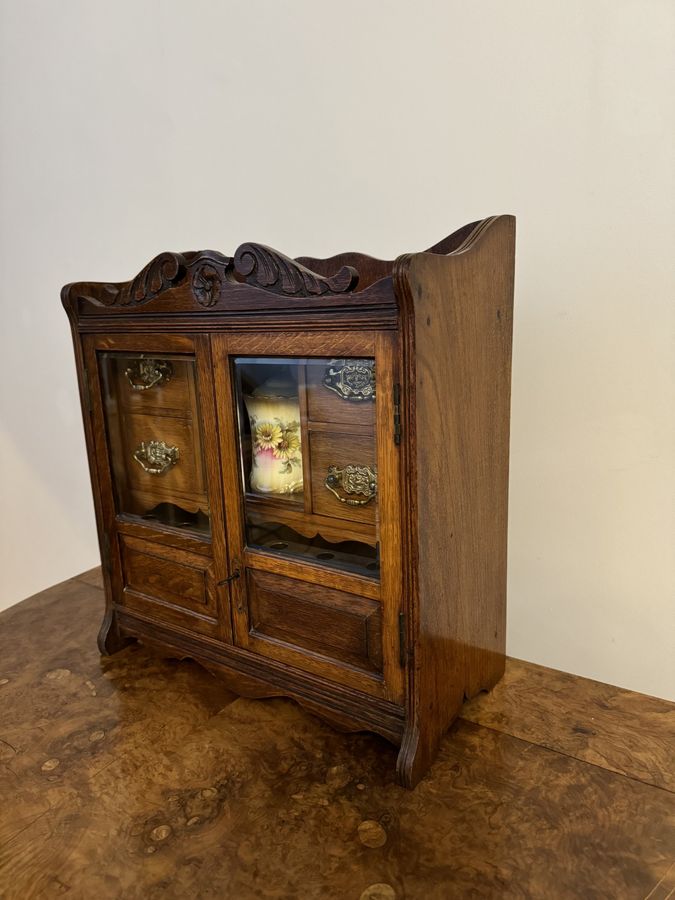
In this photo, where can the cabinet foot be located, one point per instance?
(415, 757)
(485, 674)
(110, 639)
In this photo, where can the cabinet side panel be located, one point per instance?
(463, 312)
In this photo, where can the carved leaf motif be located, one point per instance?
(268, 269)
(160, 274)
(209, 273)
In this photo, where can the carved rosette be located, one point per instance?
(270, 270)
(206, 284)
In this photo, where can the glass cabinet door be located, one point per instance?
(154, 434)
(308, 459)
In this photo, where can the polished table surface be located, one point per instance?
(135, 776)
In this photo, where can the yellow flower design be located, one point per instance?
(288, 446)
(267, 435)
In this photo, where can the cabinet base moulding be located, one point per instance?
(347, 710)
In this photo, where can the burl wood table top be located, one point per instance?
(134, 776)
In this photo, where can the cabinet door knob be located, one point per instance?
(156, 457)
(352, 480)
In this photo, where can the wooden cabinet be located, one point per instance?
(300, 472)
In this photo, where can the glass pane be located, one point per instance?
(154, 433)
(308, 459)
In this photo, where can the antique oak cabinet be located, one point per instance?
(300, 472)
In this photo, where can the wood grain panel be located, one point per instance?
(392, 477)
(324, 405)
(138, 341)
(149, 569)
(302, 344)
(331, 449)
(328, 622)
(314, 573)
(185, 477)
(172, 397)
(206, 404)
(169, 585)
(170, 537)
(457, 318)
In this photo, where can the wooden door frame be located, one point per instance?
(383, 346)
(112, 524)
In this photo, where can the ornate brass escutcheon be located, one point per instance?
(351, 379)
(156, 457)
(144, 374)
(352, 480)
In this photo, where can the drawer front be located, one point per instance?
(173, 586)
(326, 405)
(336, 450)
(155, 385)
(162, 443)
(335, 625)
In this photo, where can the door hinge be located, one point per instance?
(397, 414)
(87, 390)
(402, 642)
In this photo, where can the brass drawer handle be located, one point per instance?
(352, 480)
(351, 379)
(144, 374)
(156, 457)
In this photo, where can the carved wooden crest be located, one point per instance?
(272, 271)
(159, 275)
(208, 274)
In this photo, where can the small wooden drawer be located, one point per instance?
(331, 449)
(325, 405)
(156, 384)
(175, 586)
(162, 455)
(341, 627)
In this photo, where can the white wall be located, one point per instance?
(133, 127)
